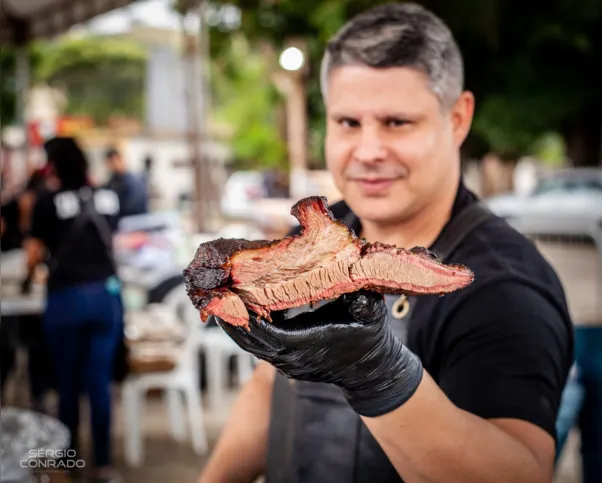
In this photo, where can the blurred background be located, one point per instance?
(216, 108)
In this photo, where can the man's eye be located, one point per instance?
(397, 122)
(348, 123)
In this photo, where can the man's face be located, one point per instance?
(114, 163)
(390, 146)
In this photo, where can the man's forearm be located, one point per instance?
(34, 250)
(240, 454)
(428, 439)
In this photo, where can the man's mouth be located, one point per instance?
(370, 185)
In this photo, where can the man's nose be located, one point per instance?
(370, 147)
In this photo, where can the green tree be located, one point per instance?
(8, 81)
(532, 65)
(101, 76)
(7, 87)
(246, 100)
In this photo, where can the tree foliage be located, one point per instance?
(246, 99)
(102, 77)
(7, 86)
(8, 81)
(531, 65)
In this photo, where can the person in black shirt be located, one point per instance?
(82, 320)
(460, 388)
(11, 237)
(131, 189)
(16, 211)
(40, 182)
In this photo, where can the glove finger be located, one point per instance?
(296, 332)
(328, 313)
(247, 339)
(306, 328)
(366, 307)
(263, 332)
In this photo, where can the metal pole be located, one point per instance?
(22, 75)
(203, 56)
(297, 133)
(193, 124)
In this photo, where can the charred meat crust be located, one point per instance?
(211, 265)
(210, 268)
(321, 203)
(201, 298)
(217, 279)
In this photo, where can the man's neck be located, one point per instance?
(422, 229)
(118, 175)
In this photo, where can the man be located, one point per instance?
(461, 388)
(132, 191)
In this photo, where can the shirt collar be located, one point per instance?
(464, 197)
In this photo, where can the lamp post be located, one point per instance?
(195, 56)
(293, 61)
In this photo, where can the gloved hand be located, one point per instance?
(347, 342)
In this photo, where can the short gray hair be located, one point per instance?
(399, 35)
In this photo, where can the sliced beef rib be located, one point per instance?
(230, 276)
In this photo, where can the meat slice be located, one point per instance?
(229, 277)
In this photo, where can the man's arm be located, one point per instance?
(505, 355)
(34, 253)
(26, 205)
(240, 455)
(492, 417)
(428, 439)
(34, 245)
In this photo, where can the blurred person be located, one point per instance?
(11, 237)
(6, 197)
(7, 355)
(39, 182)
(15, 218)
(275, 183)
(9, 240)
(17, 207)
(153, 193)
(5, 171)
(131, 189)
(463, 388)
(82, 319)
(148, 169)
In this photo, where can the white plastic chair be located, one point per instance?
(218, 348)
(183, 380)
(216, 344)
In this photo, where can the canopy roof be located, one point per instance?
(23, 20)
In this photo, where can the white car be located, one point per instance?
(565, 202)
(240, 191)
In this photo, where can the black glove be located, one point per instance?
(347, 342)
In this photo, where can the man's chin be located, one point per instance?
(380, 210)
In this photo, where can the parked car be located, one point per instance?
(564, 202)
(240, 191)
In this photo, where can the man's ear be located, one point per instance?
(461, 116)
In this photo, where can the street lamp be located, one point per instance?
(293, 63)
(292, 59)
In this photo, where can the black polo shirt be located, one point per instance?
(503, 347)
(88, 259)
